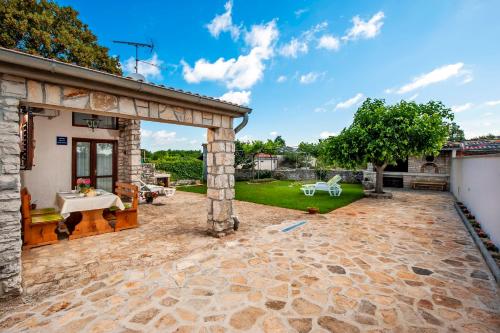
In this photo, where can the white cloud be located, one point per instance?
(294, 48)
(300, 45)
(350, 102)
(273, 134)
(492, 103)
(244, 71)
(328, 42)
(162, 139)
(281, 79)
(413, 97)
(224, 23)
(150, 68)
(365, 29)
(439, 74)
(237, 97)
(298, 13)
(326, 134)
(319, 110)
(462, 107)
(309, 77)
(245, 138)
(146, 133)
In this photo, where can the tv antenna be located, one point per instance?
(137, 46)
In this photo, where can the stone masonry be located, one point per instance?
(129, 151)
(76, 99)
(130, 111)
(11, 90)
(220, 180)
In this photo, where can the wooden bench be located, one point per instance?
(127, 218)
(429, 185)
(40, 224)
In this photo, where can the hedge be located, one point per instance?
(181, 167)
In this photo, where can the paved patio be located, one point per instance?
(402, 265)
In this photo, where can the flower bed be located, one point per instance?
(483, 236)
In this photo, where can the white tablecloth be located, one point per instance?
(72, 202)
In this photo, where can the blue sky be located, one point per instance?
(304, 66)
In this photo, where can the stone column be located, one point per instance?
(129, 151)
(220, 180)
(12, 89)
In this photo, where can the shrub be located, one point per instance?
(181, 167)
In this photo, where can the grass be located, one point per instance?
(287, 194)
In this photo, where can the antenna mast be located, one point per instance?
(136, 45)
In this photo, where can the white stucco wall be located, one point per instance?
(475, 181)
(52, 163)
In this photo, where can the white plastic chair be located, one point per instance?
(332, 187)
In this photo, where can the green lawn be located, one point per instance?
(287, 194)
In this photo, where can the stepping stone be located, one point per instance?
(334, 325)
(421, 271)
(336, 269)
(480, 275)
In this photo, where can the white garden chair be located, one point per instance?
(332, 187)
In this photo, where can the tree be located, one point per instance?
(51, 31)
(456, 134)
(489, 136)
(382, 134)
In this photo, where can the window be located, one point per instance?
(26, 129)
(80, 119)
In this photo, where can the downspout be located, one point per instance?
(243, 123)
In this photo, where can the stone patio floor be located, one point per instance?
(400, 265)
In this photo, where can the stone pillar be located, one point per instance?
(220, 180)
(12, 89)
(129, 151)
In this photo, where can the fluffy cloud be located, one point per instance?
(162, 139)
(365, 29)
(294, 48)
(237, 97)
(274, 134)
(326, 134)
(439, 74)
(300, 45)
(298, 13)
(329, 42)
(281, 79)
(413, 97)
(309, 77)
(350, 102)
(150, 68)
(224, 23)
(462, 107)
(242, 72)
(492, 103)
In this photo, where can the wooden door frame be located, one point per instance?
(93, 159)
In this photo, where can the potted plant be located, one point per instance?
(83, 184)
(149, 196)
(313, 210)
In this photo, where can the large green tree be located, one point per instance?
(44, 28)
(456, 133)
(383, 134)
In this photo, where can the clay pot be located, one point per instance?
(312, 210)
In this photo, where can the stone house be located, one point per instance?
(60, 122)
(415, 168)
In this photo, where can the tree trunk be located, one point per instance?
(379, 184)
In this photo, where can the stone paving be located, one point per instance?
(400, 265)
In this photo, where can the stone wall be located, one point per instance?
(348, 176)
(220, 180)
(10, 202)
(129, 151)
(100, 102)
(441, 164)
(148, 173)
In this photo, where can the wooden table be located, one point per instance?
(92, 208)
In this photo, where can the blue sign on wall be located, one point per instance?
(62, 141)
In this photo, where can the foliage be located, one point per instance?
(382, 134)
(456, 134)
(284, 193)
(181, 164)
(247, 151)
(44, 28)
(486, 137)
